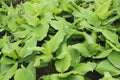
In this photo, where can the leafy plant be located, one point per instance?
(60, 40)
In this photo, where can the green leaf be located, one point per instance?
(118, 10)
(107, 76)
(41, 31)
(106, 66)
(89, 38)
(63, 64)
(83, 68)
(113, 46)
(9, 74)
(30, 14)
(32, 68)
(9, 49)
(24, 74)
(40, 61)
(103, 10)
(55, 42)
(82, 49)
(62, 52)
(114, 58)
(67, 74)
(25, 51)
(75, 77)
(93, 48)
(51, 77)
(7, 60)
(103, 54)
(55, 24)
(91, 17)
(2, 41)
(21, 34)
(111, 36)
(75, 56)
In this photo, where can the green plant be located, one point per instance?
(60, 40)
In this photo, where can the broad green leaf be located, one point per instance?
(42, 59)
(118, 10)
(56, 24)
(51, 77)
(21, 34)
(41, 31)
(63, 64)
(89, 38)
(9, 49)
(9, 74)
(3, 41)
(114, 58)
(24, 52)
(7, 60)
(30, 14)
(75, 77)
(24, 74)
(83, 68)
(75, 56)
(91, 17)
(103, 10)
(32, 68)
(107, 76)
(113, 46)
(103, 54)
(86, 25)
(55, 42)
(93, 48)
(111, 36)
(92, 64)
(12, 25)
(106, 66)
(67, 74)
(62, 52)
(82, 49)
